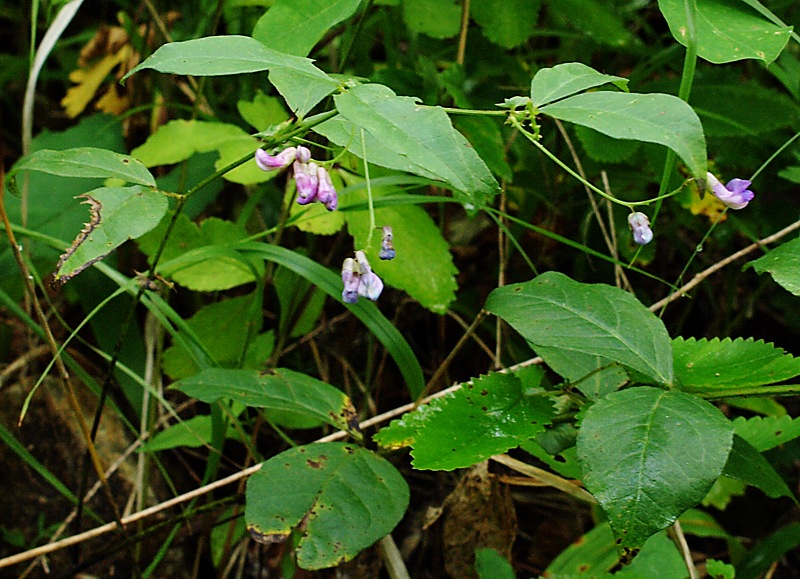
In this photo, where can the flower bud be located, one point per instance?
(267, 162)
(351, 279)
(387, 248)
(326, 192)
(303, 154)
(370, 285)
(640, 227)
(307, 182)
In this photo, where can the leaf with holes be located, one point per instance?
(349, 498)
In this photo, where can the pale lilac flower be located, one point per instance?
(326, 192)
(387, 248)
(351, 279)
(303, 154)
(370, 285)
(640, 227)
(307, 181)
(267, 162)
(735, 194)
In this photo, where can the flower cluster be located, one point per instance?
(312, 181)
(640, 227)
(359, 279)
(387, 248)
(735, 194)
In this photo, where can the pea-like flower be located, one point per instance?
(267, 162)
(387, 248)
(307, 182)
(735, 194)
(326, 192)
(640, 227)
(351, 279)
(371, 285)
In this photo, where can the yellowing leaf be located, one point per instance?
(89, 79)
(708, 205)
(113, 102)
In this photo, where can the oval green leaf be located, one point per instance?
(577, 328)
(86, 162)
(783, 264)
(727, 30)
(653, 118)
(280, 389)
(349, 498)
(648, 455)
(563, 80)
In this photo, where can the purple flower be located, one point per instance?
(351, 279)
(307, 181)
(303, 154)
(387, 249)
(640, 227)
(326, 193)
(267, 162)
(370, 285)
(735, 194)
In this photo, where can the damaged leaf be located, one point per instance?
(117, 214)
(349, 498)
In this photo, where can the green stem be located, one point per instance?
(369, 193)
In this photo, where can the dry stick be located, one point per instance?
(720, 264)
(462, 37)
(49, 548)
(686, 553)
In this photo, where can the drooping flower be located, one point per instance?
(351, 279)
(370, 285)
(307, 182)
(735, 194)
(640, 227)
(326, 192)
(267, 162)
(387, 248)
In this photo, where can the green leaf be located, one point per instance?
(263, 111)
(577, 328)
(364, 310)
(633, 449)
(295, 26)
(728, 365)
(349, 499)
(597, 19)
(202, 258)
(178, 140)
(117, 214)
(727, 31)
(296, 78)
(720, 570)
(742, 109)
(485, 417)
(405, 136)
(552, 84)
(766, 432)
(604, 149)
(423, 266)
(723, 491)
(226, 328)
(301, 303)
(485, 136)
(85, 162)
(193, 432)
(489, 564)
(659, 557)
(760, 559)
(280, 389)
(508, 23)
(783, 264)
(436, 18)
(653, 118)
(746, 464)
(594, 554)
